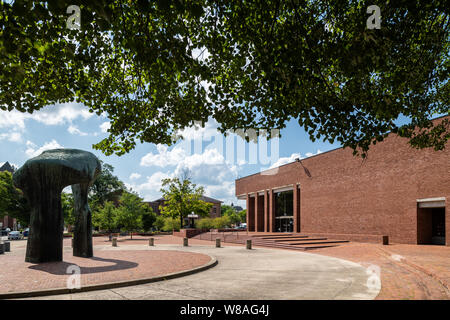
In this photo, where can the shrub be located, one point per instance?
(171, 224)
(221, 222)
(205, 223)
(159, 222)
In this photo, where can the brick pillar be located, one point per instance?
(271, 211)
(266, 211)
(250, 213)
(259, 210)
(296, 208)
(447, 221)
(257, 222)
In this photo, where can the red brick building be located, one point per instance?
(397, 191)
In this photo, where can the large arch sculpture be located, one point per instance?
(42, 180)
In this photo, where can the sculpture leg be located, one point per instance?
(82, 234)
(45, 240)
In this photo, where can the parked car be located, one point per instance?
(15, 235)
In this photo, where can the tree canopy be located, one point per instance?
(154, 67)
(130, 212)
(13, 203)
(182, 197)
(107, 187)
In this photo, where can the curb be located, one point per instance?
(109, 285)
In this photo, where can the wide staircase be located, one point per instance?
(274, 240)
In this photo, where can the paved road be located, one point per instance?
(251, 274)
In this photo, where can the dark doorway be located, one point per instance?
(431, 226)
(438, 226)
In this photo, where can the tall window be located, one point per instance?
(284, 203)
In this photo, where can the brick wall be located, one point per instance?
(349, 195)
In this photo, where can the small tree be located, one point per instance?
(230, 212)
(12, 201)
(67, 203)
(159, 222)
(182, 197)
(171, 224)
(148, 218)
(130, 212)
(106, 217)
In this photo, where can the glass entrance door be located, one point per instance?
(284, 224)
(284, 214)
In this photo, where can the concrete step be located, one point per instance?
(299, 247)
(272, 235)
(318, 242)
(293, 240)
(318, 246)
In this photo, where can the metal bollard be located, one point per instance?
(218, 243)
(2, 248)
(114, 241)
(151, 242)
(7, 246)
(185, 242)
(385, 240)
(249, 244)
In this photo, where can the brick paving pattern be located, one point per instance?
(416, 272)
(106, 266)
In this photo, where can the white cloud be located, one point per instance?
(33, 151)
(11, 136)
(164, 157)
(291, 158)
(310, 154)
(57, 114)
(105, 126)
(284, 160)
(74, 130)
(150, 190)
(135, 176)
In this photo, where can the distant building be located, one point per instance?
(213, 213)
(237, 208)
(8, 222)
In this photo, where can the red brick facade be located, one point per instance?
(348, 195)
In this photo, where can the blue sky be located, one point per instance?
(23, 136)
